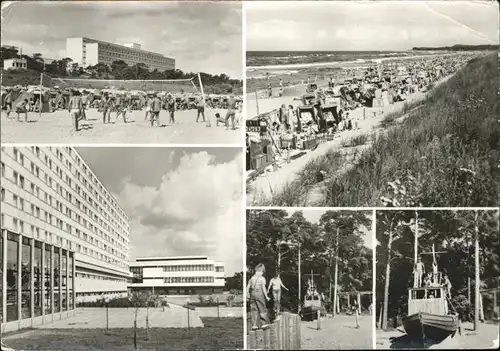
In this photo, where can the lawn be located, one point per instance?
(223, 333)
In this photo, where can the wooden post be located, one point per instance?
(267, 339)
(279, 333)
(273, 335)
(335, 296)
(107, 317)
(251, 340)
(359, 303)
(477, 281)
(41, 96)
(299, 277)
(298, 332)
(218, 315)
(481, 308)
(187, 304)
(290, 331)
(135, 335)
(318, 316)
(380, 317)
(259, 339)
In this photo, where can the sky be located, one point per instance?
(368, 25)
(203, 37)
(180, 201)
(313, 216)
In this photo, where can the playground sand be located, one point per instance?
(56, 128)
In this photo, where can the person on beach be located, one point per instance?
(256, 291)
(21, 107)
(231, 112)
(85, 103)
(418, 273)
(171, 108)
(106, 106)
(75, 109)
(155, 110)
(200, 108)
(276, 284)
(121, 108)
(149, 102)
(7, 102)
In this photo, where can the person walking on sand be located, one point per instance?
(7, 101)
(231, 112)
(149, 102)
(155, 111)
(106, 106)
(276, 284)
(200, 107)
(75, 108)
(21, 107)
(256, 291)
(171, 108)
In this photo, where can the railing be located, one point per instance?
(283, 334)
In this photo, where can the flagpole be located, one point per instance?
(41, 92)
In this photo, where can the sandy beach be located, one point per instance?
(270, 182)
(470, 339)
(56, 128)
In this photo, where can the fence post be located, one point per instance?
(187, 304)
(251, 345)
(259, 339)
(278, 323)
(218, 307)
(318, 316)
(273, 336)
(267, 342)
(290, 330)
(298, 331)
(107, 317)
(135, 335)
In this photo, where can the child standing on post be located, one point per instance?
(256, 290)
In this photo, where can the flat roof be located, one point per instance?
(171, 258)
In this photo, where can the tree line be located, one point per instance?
(274, 237)
(66, 68)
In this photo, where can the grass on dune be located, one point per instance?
(445, 155)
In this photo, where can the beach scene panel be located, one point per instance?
(371, 104)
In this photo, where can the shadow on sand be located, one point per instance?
(405, 342)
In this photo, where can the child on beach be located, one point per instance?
(21, 107)
(256, 290)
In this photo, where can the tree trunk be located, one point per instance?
(387, 280)
(335, 296)
(477, 279)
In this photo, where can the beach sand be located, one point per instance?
(56, 127)
(483, 339)
(288, 172)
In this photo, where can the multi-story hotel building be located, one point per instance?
(64, 237)
(89, 52)
(189, 275)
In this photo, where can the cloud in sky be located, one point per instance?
(369, 25)
(180, 201)
(201, 36)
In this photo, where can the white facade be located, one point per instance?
(178, 275)
(50, 194)
(15, 63)
(89, 52)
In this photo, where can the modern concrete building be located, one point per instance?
(185, 275)
(15, 63)
(57, 218)
(89, 52)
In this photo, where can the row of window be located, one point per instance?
(20, 181)
(189, 268)
(98, 277)
(107, 201)
(19, 226)
(52, 278)
(181, 280)
(29, 208)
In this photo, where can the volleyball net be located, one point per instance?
(167, 85)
